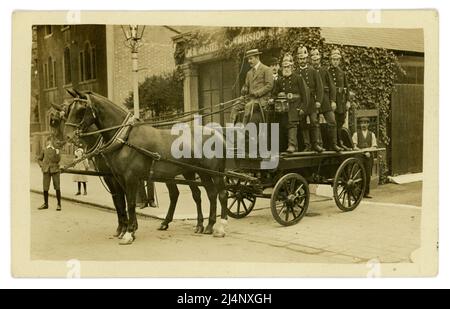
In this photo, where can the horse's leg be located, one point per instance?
(119, 205)
(197, 196)
(211, 190)
(219, 230)
(130, 194)
(173, 194)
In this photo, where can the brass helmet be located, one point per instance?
(315, 54)
(288, 60)
(336, 54)
(302, 52)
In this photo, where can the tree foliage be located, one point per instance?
(159, 94)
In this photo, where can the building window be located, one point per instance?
(81, 63)
(88, 63)
(50, 73)
(94, 63)
(48, 31)
(67, 67)
(45, 69)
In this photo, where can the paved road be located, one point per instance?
(374, 230)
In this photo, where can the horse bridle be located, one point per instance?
(82, 125)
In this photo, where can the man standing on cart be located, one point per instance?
(294, 88)
(258, 84)
(342, 103)
(315, 87)
(328, 103)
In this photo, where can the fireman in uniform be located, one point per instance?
(328, 104)
(315, 87)
(294, 88)
(342, 103)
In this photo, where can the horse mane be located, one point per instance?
(103, 99)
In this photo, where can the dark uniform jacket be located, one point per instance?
(329, 90)
(315, 87)
(259, 83)
(48, 160)
(295, 85)
(340, 81)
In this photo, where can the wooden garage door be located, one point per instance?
(216, 81)
(407, 129)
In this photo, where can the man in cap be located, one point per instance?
(258, 84)
(363, 138)
(339, 78)
(328, 104)
(48, 160)
(275, 67)
(315, 87)
(294, 88)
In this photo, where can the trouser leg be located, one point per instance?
(46, 198)
(368, 164)
(315, 132)
(248, 111)
(331, 131)
(340, 121)
(292, 137)
(305, 133)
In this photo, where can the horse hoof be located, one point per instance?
(121, 235)
(199, 229)
(127, 239)
(219, 234)
(163, 227)
(208, 230)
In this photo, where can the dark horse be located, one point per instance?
(129, 165)
(118, 195)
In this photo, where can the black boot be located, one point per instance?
(340, 143)
(45, 205)
(333, 139)
(315, 134)
(58, 198)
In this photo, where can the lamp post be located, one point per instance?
(133, 36)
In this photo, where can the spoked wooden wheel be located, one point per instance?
(240, 198)
(290, 199)
(349, 184)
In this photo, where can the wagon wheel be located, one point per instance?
(290, 199)
(349, 184)
(240, 199)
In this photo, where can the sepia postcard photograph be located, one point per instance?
(225, 144)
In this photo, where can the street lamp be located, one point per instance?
(133, 36)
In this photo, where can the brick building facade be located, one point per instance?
(155, 58)
(89, 57)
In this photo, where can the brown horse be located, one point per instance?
(129, 165)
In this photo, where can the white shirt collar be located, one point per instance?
(257, 65)
(50, 146)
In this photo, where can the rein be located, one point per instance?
(161, 123)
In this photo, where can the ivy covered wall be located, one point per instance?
(371, 71)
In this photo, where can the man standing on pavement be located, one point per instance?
(315, 87)
(342, 103)
(295, 89)
(48, 160)
(328, 104)
(365, 139)
(258, 84)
